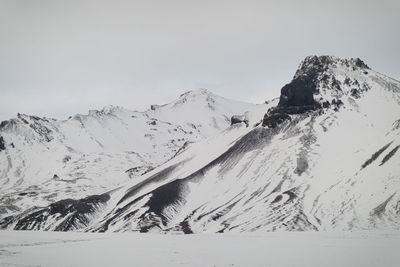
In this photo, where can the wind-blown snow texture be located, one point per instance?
(324, 156)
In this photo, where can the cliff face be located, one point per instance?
(312, 73)
(317, 84)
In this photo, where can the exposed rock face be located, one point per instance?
(298, 93)
(2, 145)
(239, 119)
(298, 96)
(359, 63)
(274, 119)
(312, 72)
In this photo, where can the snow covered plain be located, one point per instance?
(35, 248)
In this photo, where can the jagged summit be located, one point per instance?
(313, 65)
(323, 82)
(317, 74)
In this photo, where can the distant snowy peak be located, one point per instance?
(200, 103)
(202, 98)
(202, 110)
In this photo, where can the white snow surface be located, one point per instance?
(345, 249)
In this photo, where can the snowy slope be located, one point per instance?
(44, 160)
(324, 156)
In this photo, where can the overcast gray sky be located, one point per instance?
(59, 58)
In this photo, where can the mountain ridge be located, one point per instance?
(104, 148)
(325, 162)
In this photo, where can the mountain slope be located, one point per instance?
(324, 156)
(45, 160)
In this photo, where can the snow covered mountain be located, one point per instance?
(45, 160)
(324, 156)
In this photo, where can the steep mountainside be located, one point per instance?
(45, 160)
(324, 156)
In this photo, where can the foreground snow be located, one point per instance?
(20, 248)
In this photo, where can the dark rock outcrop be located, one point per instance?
(359, 63)
(274, 119)
(299, 92)
(326, 104)
(2, 144)
(235, 119)
(152, 122)
(337, 103)
(311, 73)
(298, 96)
(355, 93)
(375, 156)
(389, 155)
(4, 124)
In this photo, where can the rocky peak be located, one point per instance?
(315, 73)
(300, 91)
(316, 65)
(313, 66)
